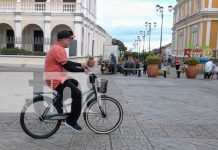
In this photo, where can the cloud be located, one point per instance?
(124, 19)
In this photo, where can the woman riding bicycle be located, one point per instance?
(56, 67)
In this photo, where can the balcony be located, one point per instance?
(37, 7)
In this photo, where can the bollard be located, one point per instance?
(139, 72)
(165, 73)
(125, 72)
(178, 74)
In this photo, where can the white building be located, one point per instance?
(34, 24)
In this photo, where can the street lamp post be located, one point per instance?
(148, 26)
(160, 9)
(139, 41)
(142, 33)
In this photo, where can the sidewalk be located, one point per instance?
(159, 113)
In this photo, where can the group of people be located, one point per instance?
(209, 70)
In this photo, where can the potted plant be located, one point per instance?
(153, 61)
(191, 70)
(90, 61)
(100, 61)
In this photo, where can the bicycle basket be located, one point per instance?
(92, 79)
(102, 86)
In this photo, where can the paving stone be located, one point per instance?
(211, 128)
(159, 114)
(130, 142)
(174, 130)
(152, 130)
(20, 141)
(90, 142)
(183, 144)
(197, 131)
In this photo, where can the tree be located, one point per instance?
(120, 44)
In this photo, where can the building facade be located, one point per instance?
(34, 24)
(195, 23)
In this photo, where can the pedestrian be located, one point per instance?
(208, 69)
(177, 63)
(216, 71)
(145, 66)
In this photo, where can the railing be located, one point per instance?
(63, 7)
(7, 7)
(33, 7)
(38, 7)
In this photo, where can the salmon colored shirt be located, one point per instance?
(53, 69)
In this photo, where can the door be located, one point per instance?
(10, 38)
(38, 40)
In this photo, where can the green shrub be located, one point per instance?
(191, 61)
(17, 51)
(153, 59)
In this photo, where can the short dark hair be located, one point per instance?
(65, 34)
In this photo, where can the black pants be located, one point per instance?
(177, 67)
(76, 96)
(207, 75)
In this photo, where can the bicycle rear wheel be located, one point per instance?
(32, 122)
(104, 118)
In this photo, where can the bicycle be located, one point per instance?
(41, 117)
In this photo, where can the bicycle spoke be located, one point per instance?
(34, 125)
(109, 117)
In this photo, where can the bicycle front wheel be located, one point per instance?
(32, 121)
(104, 116)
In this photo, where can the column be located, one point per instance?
(48, 6)
(203, 5)
(184, 38)
(210, 4)
(78, 33)
(208, 32)
(200, 33)
(18, 34)
(18, 6)
(85, 41)
(47, 32)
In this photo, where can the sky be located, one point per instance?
(124, 19)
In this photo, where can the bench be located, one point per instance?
(132, 69)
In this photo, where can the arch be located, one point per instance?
(33, 37)
(54, 32)
(7, 37)
(56, 29)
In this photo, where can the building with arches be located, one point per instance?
(195, 23)
(34, 24)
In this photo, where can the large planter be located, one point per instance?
(191, 71)
(91, 62)
(152, 70)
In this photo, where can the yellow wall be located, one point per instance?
(206, 3)
(215, 4)
(213, 34)
(204, 33)
(193, 1)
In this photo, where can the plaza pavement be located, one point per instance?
(159, 114)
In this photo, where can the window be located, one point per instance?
(197, 5)
(181, 43)
(195, 36)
